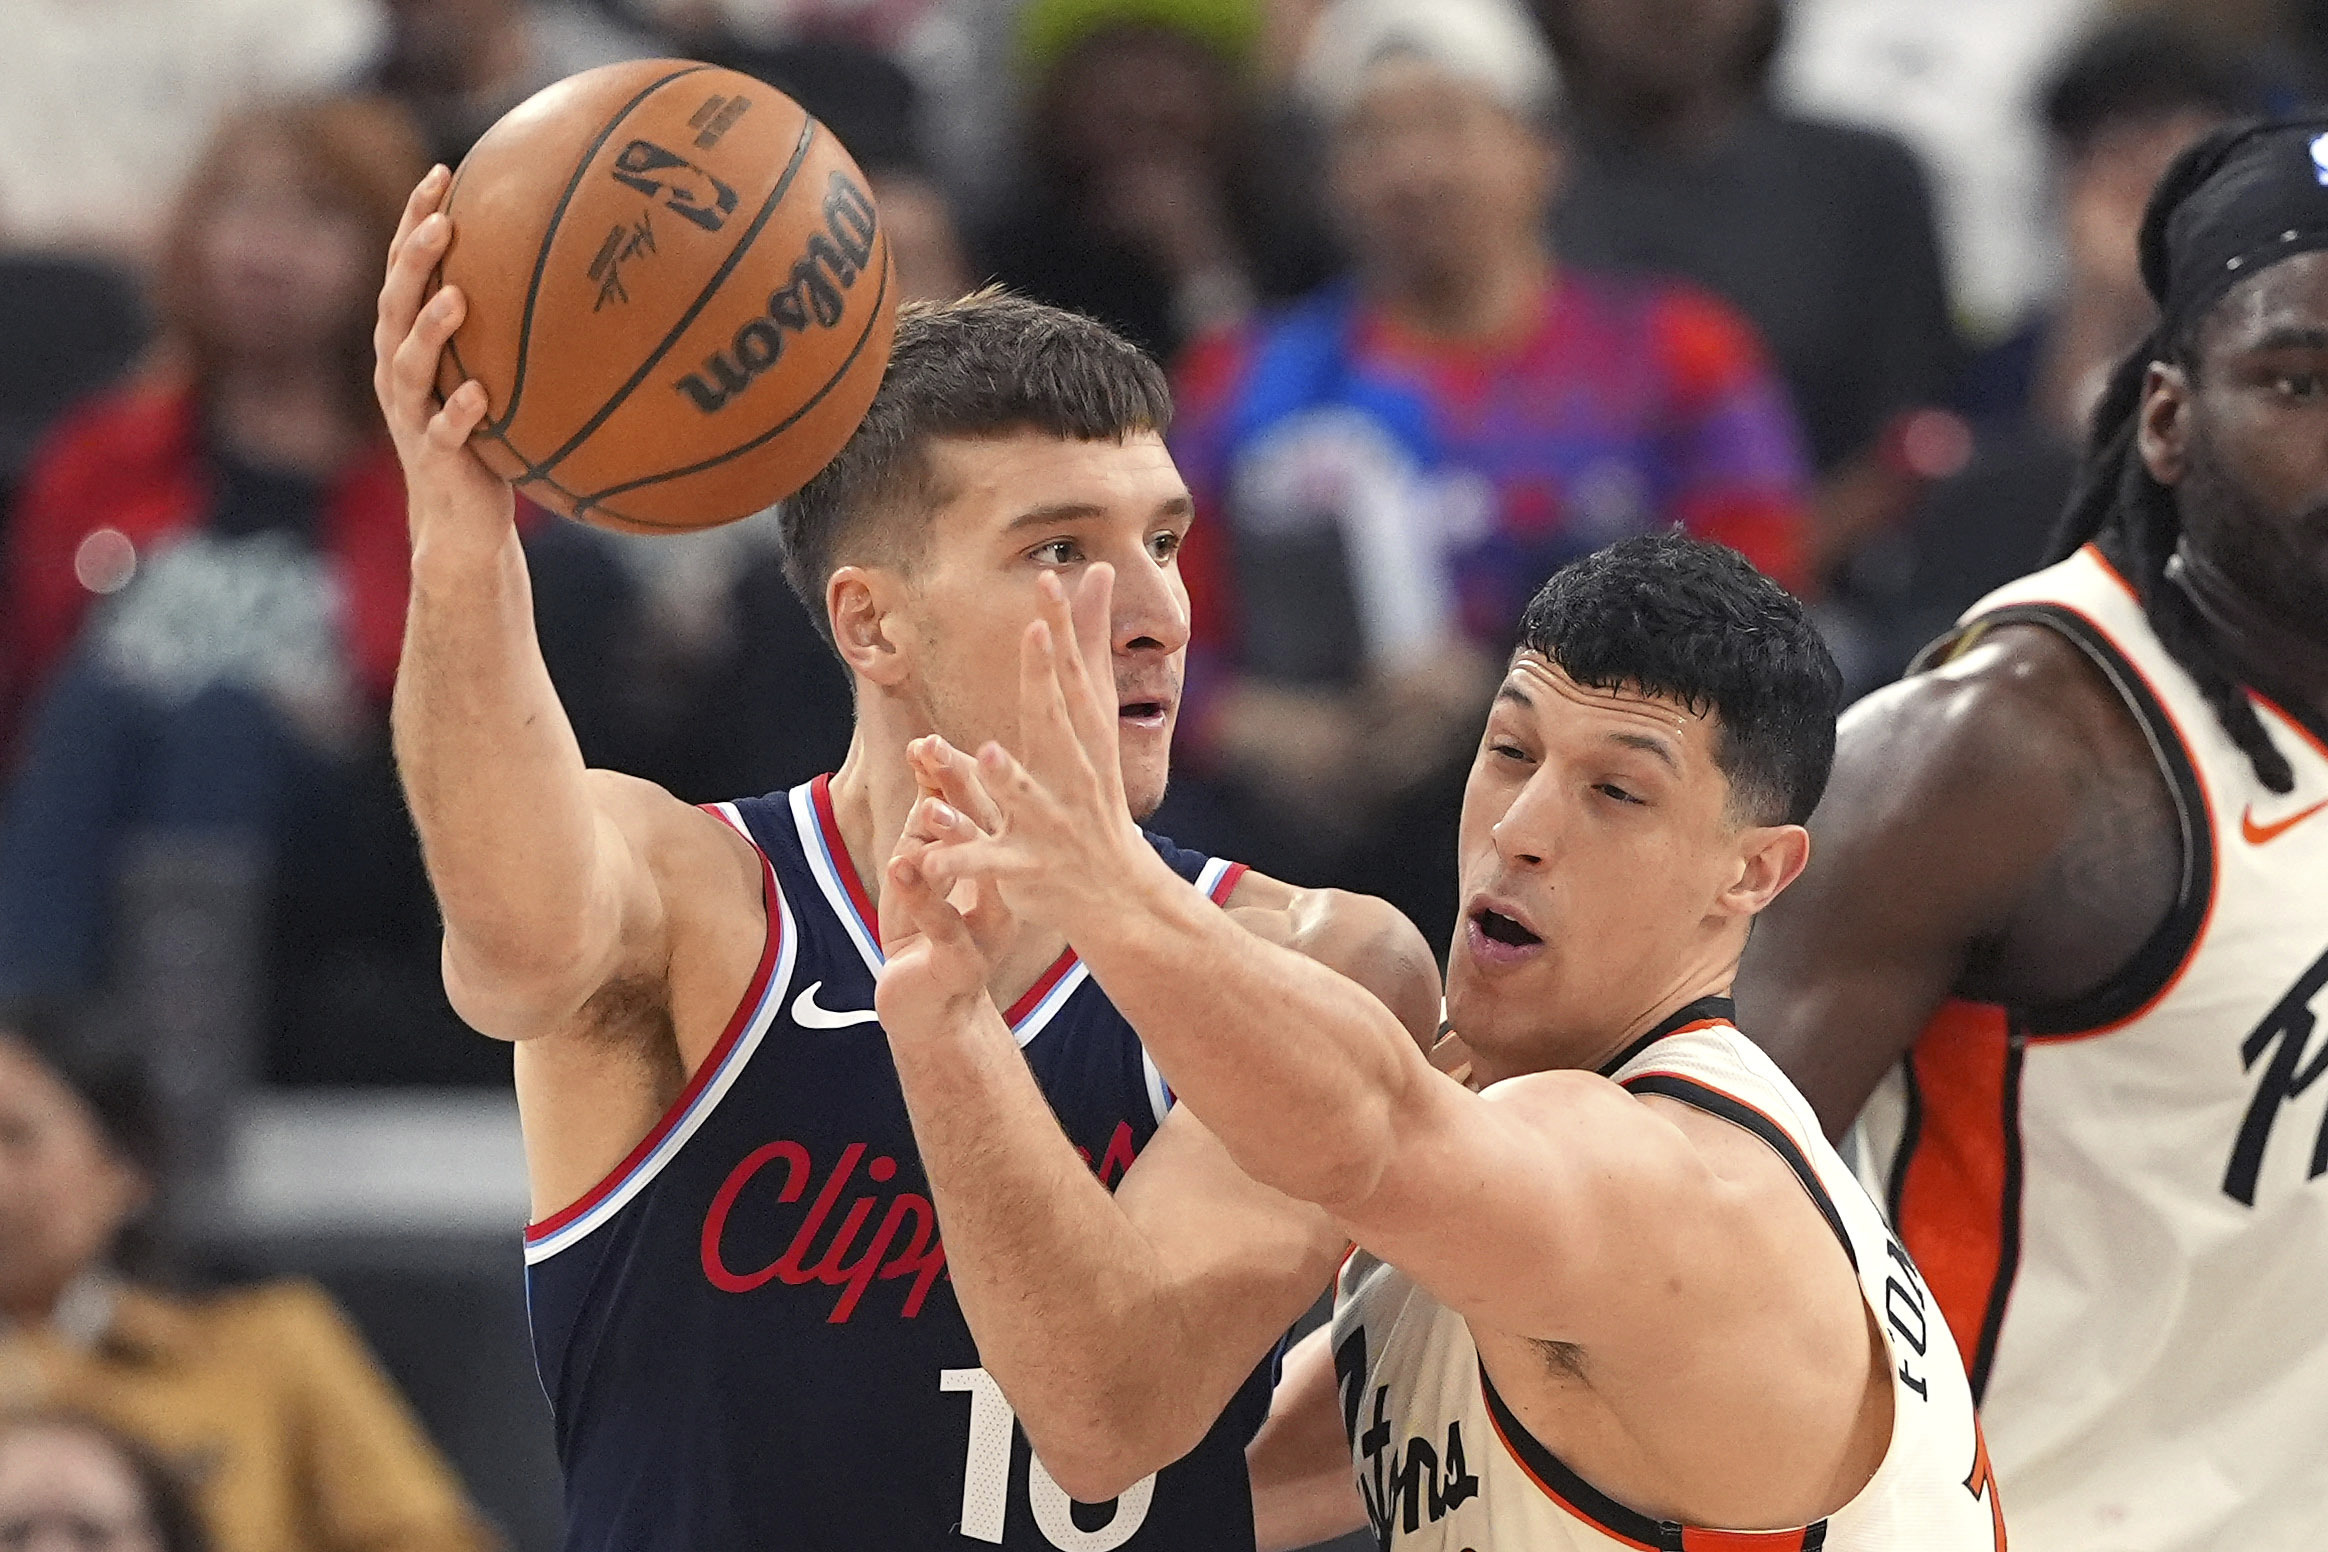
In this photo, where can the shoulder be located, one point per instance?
(283, 1323)
(2012, 720)
(1369, 940)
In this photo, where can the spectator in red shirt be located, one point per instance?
(1390, 469)
(207, 580)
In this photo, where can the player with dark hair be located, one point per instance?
(738, 1291)
(1612, 1284)
(2068, 932)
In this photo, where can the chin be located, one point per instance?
(1143, 794)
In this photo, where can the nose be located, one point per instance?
(1527, 834)
(1150, 608)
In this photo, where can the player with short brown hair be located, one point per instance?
(740, 1306)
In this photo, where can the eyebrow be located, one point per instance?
(1517, 696)
(2289, 338)
(1648, 745)
(1058, 512)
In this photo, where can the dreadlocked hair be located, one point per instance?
(2119, 503)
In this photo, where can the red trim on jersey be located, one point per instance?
(1554, 1493)
(1955, 1189)
(2207, 816)
(1226, 884)
(1036, 993)
(2110, 571)
(820, 793)
(1696, 1540)
(721, 1049)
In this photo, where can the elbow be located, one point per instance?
(1106, 1450)
(1099, 1474)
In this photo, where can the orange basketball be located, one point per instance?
(680, 296)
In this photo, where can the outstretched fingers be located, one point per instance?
(1083, 662)
(1049, 740)
(943, 771)
(405, 282)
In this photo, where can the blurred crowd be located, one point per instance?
(1836, 282)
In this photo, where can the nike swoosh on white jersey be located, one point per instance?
(807, 1013)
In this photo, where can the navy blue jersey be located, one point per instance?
(746, 1331)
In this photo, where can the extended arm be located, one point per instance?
(1119, 1326)
(545, 871)
(538, 888)
(1982, 835)
(1571, 1191)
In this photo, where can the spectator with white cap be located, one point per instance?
(1390, 467)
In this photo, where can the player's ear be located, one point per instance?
(1770, 857)
(861, 603)
(2164, 426)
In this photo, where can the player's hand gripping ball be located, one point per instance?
(680, 295)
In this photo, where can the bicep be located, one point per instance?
(656, 865)
(1937, 818)
(1532, 1207)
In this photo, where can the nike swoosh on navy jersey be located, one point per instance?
(809, 1015)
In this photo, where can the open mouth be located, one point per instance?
(1145, 713)
(1499, 928)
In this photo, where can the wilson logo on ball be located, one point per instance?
(811, 297)
(686, 189)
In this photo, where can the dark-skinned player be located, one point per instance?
(2066, 935)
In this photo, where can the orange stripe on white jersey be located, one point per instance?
(2138, 1179)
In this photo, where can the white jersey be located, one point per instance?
(2119, 1204)
(1445, 1466)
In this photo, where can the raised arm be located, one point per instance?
(1995, 828)
(552, 878)
(1119, 1327)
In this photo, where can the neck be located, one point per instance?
(874, 791)
(1589, 1050)
(2286, 662)
(1497, 301)
(283, 416)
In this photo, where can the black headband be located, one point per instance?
(2234, 204)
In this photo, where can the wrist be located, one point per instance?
(1142, 906)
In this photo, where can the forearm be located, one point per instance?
(491, 770)
(1063, 1294)
(1298, 1070)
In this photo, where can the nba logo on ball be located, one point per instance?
(680, 295)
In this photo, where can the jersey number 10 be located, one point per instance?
(986, 1479)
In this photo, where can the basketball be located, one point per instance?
(680, 298)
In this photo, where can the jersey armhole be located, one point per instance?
(710, 1083)
(2159, 962)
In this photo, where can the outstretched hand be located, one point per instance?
(449, 491)
(1056, 839)
(939, 946)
